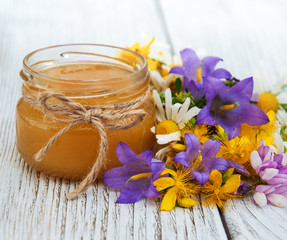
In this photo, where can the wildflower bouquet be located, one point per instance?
(215, 137)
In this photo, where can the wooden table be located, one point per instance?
(33, 205)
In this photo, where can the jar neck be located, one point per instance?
(86, 71)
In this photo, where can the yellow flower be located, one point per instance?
(143, 49)
(268, 101)
(201, 131)
(178, 189)
(153, 64)
(265, 131)
(216, 193)
(237, 149)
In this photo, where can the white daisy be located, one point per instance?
(158, 50)
(161, 52)
(161, 154)
(159, 83)
(172, 118)
(272, 95)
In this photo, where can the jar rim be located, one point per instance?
(29, 68)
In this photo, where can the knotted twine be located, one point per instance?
(101, 117)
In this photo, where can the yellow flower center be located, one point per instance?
(228, 107)
(198, 75)
(268, 101)
(140, 176)
(166, 127)
(179, 147)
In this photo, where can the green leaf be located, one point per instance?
(227, 174)
(201, 102)
(178, 85)
(162, 97)
(190, 124)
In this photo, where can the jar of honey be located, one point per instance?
(91, 75)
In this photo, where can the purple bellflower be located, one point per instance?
(205, 154)
(229, 107)
(243, 188)
(237, 166)
(135, 178)
(194, 70)
(272, 169)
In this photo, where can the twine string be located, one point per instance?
(101, 117)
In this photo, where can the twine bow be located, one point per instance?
(102, 117)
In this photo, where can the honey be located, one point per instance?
(92, 82)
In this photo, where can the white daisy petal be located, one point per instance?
(159, 117)
(182, 111)
(156, 48)
(152, 129)
(167, 138)
(161, 153)
(168, 80)
(174, 110)
(157, 80)
(168, 103)
(190, 114)
(158, 103)
(282, 98)
(282, 116)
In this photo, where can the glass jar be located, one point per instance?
(92, 75)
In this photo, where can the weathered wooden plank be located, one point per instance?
(241, 31)
(153, 220)
(198, 222)
(247, 221)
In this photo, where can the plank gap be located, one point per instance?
(164, 25)
(226, 229)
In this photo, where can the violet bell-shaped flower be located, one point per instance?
(201, 158)
(229, 107)
(135, 178)
(194, 70)
(243, 188)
